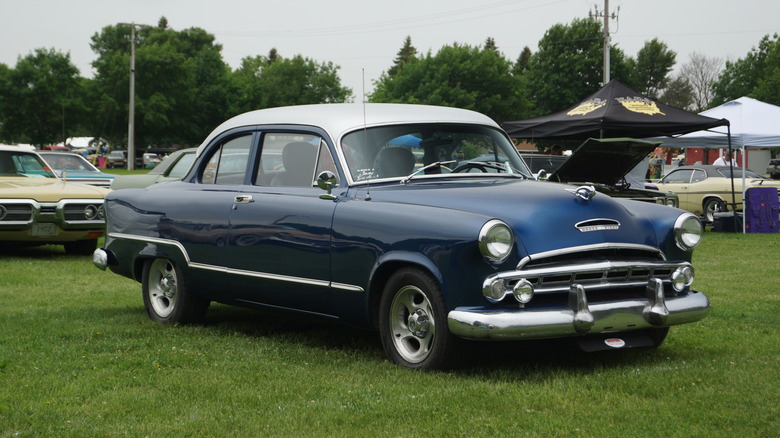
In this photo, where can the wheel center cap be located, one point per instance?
(166, 284)
(418, 323)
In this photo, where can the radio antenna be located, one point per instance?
(365, 137)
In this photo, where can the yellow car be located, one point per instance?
(38, 208)
(705, 189)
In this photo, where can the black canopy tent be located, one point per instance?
(616, 111)
(613, 111)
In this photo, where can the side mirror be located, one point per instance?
(327, 180)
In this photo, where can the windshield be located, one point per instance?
(65, 161)
(23, 164)
(429, 149)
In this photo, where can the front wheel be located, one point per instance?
(712, 206)
(166, 296)
(413, 322)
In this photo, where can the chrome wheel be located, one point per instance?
(162, 287)
(412, 324)
(711, 207)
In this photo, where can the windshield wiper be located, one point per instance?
(426, 167)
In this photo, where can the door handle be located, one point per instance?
(244, 199)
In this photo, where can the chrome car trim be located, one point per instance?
(241, 272)
(579, 317)
(584, 248)
(598, 224)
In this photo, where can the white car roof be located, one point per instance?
(339, 119)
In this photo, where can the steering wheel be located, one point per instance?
(465, 167)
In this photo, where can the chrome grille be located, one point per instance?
(16, 213)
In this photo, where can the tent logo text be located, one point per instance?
(587, 107)
(639, 105)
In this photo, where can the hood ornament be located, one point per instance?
(586, 193)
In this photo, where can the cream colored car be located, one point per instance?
(706, 189)
(38, 208)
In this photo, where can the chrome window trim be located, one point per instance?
(241, 272)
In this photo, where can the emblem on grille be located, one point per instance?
(584, 192)
(597, 225)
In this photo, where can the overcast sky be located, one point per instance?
(365, 36)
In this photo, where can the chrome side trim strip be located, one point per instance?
(241, 272)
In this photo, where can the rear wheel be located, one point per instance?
(712, 206)
(166, 296)
(413, 322)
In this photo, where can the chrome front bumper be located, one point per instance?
(579, 317)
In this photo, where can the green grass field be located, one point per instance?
(78, 358)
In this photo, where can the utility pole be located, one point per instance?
(606, 16)
(131, 107)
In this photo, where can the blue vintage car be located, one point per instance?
(419, 221)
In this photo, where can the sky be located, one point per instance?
(363, 37)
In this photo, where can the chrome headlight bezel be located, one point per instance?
(688, 231)
(496, 240)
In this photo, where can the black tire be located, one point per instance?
(712, 206)
(167, 297)
(413, 322)
(658, 336)
(81, 247)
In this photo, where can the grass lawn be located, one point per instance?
(78, 357)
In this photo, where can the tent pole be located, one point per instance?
(731, 173)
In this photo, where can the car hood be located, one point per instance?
(603, 161)
(47, 189)
(544, 215)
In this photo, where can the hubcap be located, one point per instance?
(162, 287)
(412, 324)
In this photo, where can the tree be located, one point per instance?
(490, 44)
(568, 65)
(182, 84)
(521, 65)
(407, 53)
(701, 73)
(756, 75)
(650, 71)
(678, 93)
(286, 81)
(458, 76)
(39, 98)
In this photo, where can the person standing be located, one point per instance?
(725, 160)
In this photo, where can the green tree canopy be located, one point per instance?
(568, 65)
(39, 97)
(649, 72)
(458, 76)
(265, 82)
(407, 53)
(756, 75)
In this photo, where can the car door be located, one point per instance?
(280, 228)
(679, 181)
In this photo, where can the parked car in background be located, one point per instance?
(37, 208)
(706, 189)
(75, 168)
(116, 159)
(604, 163)
(773, 169)
(170, 169)
(542, 165)
(357, 228)
(150, 160)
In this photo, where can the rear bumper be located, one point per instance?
(579, 317)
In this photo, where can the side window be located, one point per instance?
(291, 159)
(679, 177)
(228, 163)
(698, 175)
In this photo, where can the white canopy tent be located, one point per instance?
(752, 124)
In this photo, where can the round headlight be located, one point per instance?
(496, 240)
(90, 212)
(682, 277)
(523, 291)
(687, 231)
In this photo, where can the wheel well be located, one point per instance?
(710, 197)
(378, 281)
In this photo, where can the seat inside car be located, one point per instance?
(298, 159)
(395, 161)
